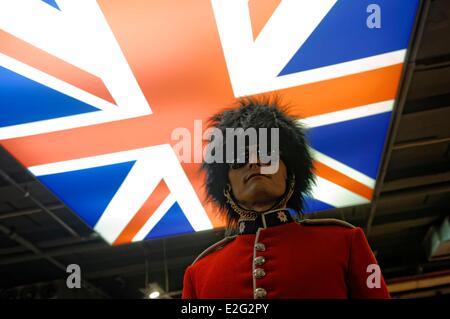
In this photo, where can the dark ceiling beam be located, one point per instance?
(435, 189)
(27, 194)
(436, 63)
(395, 227)
(435, 60)
(191, 244)
(139, 268)
(422, 281)
(429, 113)
(426, 142)
(352, 214)
(425, 127)
(22, 241)
(386, 217)
(418, 268)
(10, 193)
(30, 211)
(416, 181)
(84, 248)
(48, 244)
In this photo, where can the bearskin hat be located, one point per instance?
(261, 112)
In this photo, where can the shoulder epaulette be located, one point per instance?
(219, 245)
(325, 221)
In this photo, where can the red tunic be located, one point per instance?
(310, 259)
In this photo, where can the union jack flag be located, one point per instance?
(90, 92)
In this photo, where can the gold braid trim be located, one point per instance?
(250, 214)
(245, 214)
(288, 195)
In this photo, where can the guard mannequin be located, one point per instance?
(268, 252)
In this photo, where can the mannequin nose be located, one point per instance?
(257, 164)
(251, 165)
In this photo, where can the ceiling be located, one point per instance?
(39, 236)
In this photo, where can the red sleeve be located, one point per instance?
(188, 287)
(364, 275)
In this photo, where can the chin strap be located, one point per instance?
(246, 214)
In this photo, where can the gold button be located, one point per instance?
(259, 273)
(260, 247)
(259, 260)
(260, 293)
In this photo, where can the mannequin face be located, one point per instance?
(256, 191)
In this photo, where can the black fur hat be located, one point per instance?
(252, 112)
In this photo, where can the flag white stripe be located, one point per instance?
(342, 168)
(155, 218)
(348, 114)
(335, 195)
(54, 83)
(87, 162)
(331, 71)
(127, 201)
